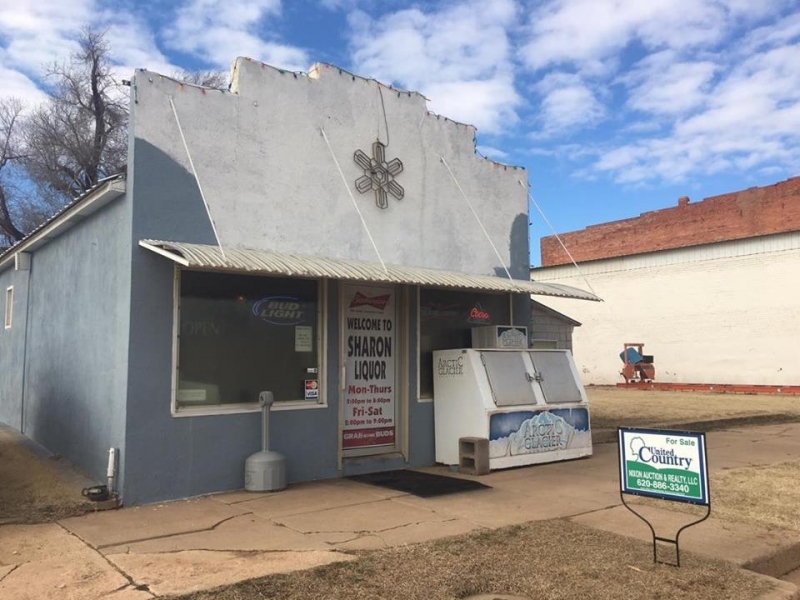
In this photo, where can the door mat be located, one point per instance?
(424, 485)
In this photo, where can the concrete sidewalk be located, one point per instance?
(141, 552)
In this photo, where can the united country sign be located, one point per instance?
(664, 464)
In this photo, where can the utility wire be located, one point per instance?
(355, 204)
(196, 178)
(541, 212)
(385, 120)
(477, 218)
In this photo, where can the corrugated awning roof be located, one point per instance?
(262, 262)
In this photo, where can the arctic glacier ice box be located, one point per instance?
(529, 404)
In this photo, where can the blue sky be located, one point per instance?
(615, 107)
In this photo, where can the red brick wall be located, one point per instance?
(749, 213)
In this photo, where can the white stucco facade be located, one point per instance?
(276, 166)
(727, 312)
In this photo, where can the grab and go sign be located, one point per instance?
(664, 464)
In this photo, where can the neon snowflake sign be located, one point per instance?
(379, 175)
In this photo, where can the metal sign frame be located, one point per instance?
(680, 448)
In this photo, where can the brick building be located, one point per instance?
(711, 287)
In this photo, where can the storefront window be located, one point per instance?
(241, 334)
(446, 321)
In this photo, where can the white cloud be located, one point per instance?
(133, 45)
(750, 120)
(488, 104)
(663, 84)
(339, 4)
(711, 88)
(567, 103)
(641, 127)
(36, 34)
(772, 35)
(218, 31)
(492, 152)
(459, 56)
(18, 85)
(584, 32)
(40, 32)
(747, 9)
(759, 100)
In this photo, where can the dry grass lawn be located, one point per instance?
(613, 407)
(33, 489)
(548, 560)
(765, 495)
(768, 496)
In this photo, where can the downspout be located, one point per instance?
(25, 340)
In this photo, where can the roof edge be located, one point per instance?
(105, 191)
(558, 315)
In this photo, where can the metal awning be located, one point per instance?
(262, 262)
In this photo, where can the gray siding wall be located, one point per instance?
(76, 359)
(546, 326)
(521, 309)
(12, 347)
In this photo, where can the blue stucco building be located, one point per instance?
(314, 234)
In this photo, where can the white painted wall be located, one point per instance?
(272, 184)
(721, 313)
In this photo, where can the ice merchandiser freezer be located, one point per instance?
(529, 404)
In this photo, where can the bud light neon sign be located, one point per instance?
(280, 310)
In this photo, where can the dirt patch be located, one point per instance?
(557, 560)
(33, 488)
(617, 407)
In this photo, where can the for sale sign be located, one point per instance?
(664, 464)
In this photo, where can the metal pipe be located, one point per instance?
(111, 471)
(265, 399)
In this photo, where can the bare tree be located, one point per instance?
(79, 135)
(207, 78)
(10, 156)
(75, 138)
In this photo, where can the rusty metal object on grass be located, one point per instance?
(637, 366)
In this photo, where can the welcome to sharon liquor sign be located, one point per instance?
(670, 465)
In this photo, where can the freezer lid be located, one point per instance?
(556, 377)
(508, 378)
